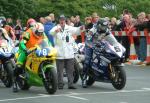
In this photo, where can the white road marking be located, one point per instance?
(77, 97)
(146, 88)
(76, 94)
(24, 98)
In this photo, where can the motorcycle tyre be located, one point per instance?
(8, 69)
(122, 75)
(53, 79)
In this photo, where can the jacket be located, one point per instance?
(65, 47)
(47, 27)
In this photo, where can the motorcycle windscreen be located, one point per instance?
(44, 48)
(115, 46)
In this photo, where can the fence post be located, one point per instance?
(148, 47)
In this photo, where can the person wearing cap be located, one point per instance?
(62, 34)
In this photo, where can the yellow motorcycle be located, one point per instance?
(39, 69)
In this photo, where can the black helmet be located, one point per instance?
(102, 26)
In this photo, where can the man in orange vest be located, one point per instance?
(31, 37)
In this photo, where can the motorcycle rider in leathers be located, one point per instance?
(97, 32)
(30, 39)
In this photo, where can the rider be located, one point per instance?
(30, 23)
(99, 30)
(30, 39)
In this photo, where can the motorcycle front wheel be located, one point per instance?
(118, 77)
(50, 81)
(7, 74)
(90, 78)
(90, 81)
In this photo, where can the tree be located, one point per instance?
(36, 8)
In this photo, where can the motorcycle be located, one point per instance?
(6, 62)
(78, 60)
(106, 64)
(76, 71)
(39, 69)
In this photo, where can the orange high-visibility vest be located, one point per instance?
(33, 40)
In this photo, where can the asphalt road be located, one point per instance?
(137, 90)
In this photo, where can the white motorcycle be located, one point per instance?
(7, 64)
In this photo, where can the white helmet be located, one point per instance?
(39, 29)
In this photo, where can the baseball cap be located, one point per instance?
(62, 17)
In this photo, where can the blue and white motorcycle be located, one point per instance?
(7, 64)
(106, 64)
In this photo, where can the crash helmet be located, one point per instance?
(102, 26)
(31, 22)
(39, 29)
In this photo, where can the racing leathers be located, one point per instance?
(29, 40)
(92, 37)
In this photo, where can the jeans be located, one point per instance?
(88, 57)
(143, 49)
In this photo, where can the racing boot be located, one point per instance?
(84, 81)
(15, 87)
(17, 72)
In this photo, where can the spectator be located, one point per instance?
(95, 18)
(125, 26)
(42, 20)
(48, 25)
(72, 18)
(53, 18)
(68, 22)
(9, 22)
(18, 29)
(88, 23)
(141, 26)
(65, 58)
(125, 11)
(9, 29)
(148, 17)
(148, 22)
(77, 24)
(113, 24)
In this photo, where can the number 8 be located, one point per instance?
(44, 52)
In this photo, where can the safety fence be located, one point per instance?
(133, 55)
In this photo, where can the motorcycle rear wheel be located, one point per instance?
(76, 74)
(119, 80)
(51, 81)
(22, 83)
